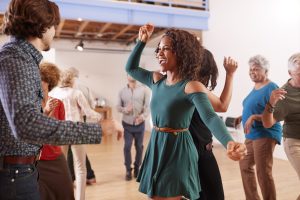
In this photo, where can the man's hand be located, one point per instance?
(236, 151)
(129, 108)
(111, 125)
(138, 120)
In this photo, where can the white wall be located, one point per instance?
(103, 72)
(242, 29)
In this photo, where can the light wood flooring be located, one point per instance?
(107, 162)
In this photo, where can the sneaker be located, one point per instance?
(128, 176)
(136, 172)
(90, 181)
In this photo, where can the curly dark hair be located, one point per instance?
(30, 18)
(50, 74)
(188, 52)
(209, 71)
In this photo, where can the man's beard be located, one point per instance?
(46, 45)
(46, 48)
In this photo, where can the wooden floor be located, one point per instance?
(107, 162)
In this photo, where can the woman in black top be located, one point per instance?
(209, 174)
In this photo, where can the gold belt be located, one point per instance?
(169, 130)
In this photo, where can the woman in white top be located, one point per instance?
(76, 106)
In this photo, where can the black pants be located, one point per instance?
(90, 172)
(210, 177)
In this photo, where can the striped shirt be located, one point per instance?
(23, 127)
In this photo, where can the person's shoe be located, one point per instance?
(128, 176)
(91, 181)
(136, 172)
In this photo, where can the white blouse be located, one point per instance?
(76, 105)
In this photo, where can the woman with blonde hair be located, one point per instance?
(75, 104)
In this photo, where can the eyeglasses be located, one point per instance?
(163, 49)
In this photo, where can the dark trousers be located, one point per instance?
(136, 133)
(90, 172)
(210, 177)
(19, 182)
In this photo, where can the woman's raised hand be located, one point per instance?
(230, 65)
(145, 32)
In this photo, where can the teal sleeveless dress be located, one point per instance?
(170, 166)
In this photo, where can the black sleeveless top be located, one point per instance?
(199, 131)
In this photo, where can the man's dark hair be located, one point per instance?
(30, 18)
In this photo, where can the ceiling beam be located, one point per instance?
(105, 27)
(102, 30)
(131, 39)
(81, 28)
(122, 31)
(59, 28)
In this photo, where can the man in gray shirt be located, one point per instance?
(134, 104)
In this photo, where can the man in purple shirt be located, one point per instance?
(23, 127)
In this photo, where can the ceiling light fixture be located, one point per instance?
(79, 46)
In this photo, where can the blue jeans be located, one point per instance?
(19, 182)
(136, 133)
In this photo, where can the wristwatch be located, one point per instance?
(270, 108)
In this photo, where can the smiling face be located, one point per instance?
(257, 73)
(165, 55)
(295, 75)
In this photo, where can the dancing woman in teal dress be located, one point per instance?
(169, 169)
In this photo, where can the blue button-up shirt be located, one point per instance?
(23, 127)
